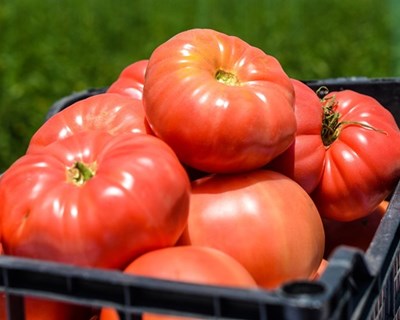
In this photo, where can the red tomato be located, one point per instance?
(221, 104)
(357, 233)
(193, 264)
(94, 199)
(108, 111)
(130, 82)
(362, 159)
(263, 219)
(303, 161)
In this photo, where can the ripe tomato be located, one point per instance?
(362, 159)
(221, 104)
(193, 264)
(357, 233)
(108, 111)
(345, 153)
(130, 82)
(303, 161)
(94, 199)
(263, 219)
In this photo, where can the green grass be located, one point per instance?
(50, 48)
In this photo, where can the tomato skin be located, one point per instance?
(107, 111)
(237, 122)
(363, 164)
(263, 219)
(194, 264)
(130, 81)
(303, 161)
(136, 201)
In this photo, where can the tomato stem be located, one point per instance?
(330, 122)
(322, 92)
(79, 173)
(331, 126)
(227, 78)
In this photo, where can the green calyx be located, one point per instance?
(331, 126)
(80, 173)
(330, 122)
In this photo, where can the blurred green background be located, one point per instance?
(52, 48)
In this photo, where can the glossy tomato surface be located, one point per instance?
(130, 81)
(110, 112)
(263, 219)
(362, 159)
(220, 103)
(93, 199)
(192, 264)
(303, 161)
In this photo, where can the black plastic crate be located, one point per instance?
(355, 285)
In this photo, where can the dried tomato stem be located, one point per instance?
(330, 122)
(79, 173)
(322, 92)
(227, 78)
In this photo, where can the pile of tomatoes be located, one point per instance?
(205, 163)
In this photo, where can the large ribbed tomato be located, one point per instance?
(220, 103)
(94, 199)
(263, 219)
(346, 152)
(362, 158)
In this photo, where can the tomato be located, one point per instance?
(130, 81)
(263, 219)
(221, 104)
(94, 199)
(303, 161)
(362, 159)
(357, 233)
(345, 153)
(108, 111)
(194, 264)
